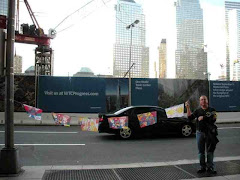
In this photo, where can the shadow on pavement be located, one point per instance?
(145, 137)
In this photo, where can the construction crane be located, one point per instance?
(34, 34)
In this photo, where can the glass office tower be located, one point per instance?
(127, 12)
(232, 20)
(191, 60)
(3, 7)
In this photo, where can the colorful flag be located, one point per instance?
(33, 112)
(61, 119)
(89, 124)
(175, 111)
(147, 119)
(118, 122)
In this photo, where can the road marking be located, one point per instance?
(46, 144)
(229, 128)
(42, 132)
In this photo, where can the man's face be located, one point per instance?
(203, 101)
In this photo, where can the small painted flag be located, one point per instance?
(61, 119)
(33, 112)
(118, 122)
(175, 111)
(147, 119)
(89, 124)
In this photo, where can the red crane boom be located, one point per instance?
(34, 34)
(31, 34)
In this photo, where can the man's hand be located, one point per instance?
(187, 104)
(200, 118)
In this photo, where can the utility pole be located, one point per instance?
(2, 51)
(9, 163)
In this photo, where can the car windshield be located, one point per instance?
(122, 110)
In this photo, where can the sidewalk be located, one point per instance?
(227, 168)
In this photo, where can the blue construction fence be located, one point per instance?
(94, 95)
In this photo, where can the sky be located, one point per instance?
(86, 38)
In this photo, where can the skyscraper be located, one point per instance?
(191, 60)
(155, 70)
(232, 20)
(17, 64)
(3, 7)
(128, 11)
(163, 59)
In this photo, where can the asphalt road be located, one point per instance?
(57, 145)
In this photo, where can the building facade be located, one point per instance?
(191, 60)
(84, 72)
(17, 64)
(4, 7)
(232, 20)
(30, 71)
(127, 12)
(163, 59)
(155, 70)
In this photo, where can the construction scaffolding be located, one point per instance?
(43, 61)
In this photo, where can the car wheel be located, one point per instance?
(186, 130)
(126, 133)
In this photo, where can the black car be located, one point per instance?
(164, 125)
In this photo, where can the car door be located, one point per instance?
(134, 118)
(168, 125)
(164, 125)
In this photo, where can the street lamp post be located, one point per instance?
(9, 154)
(130, 64)
(209, 84)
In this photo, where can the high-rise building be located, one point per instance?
(163, 59)
(3, 7)
(17, 64)
(191, 60)
(155, 70)
(232, 20)
(127, 12)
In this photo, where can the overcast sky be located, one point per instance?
(88, 42)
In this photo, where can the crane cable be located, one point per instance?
(82, 17)
(105, 3)
(73, 13)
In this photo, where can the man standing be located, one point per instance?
(206, 133)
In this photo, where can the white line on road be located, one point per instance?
(46, 144)
(42, 132)
(229, 128)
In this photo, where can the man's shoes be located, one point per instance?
(211, 171)
(202, 170)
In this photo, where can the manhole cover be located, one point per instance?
(222, 168)
(236, 162)
(90, 174)
(152, 173)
